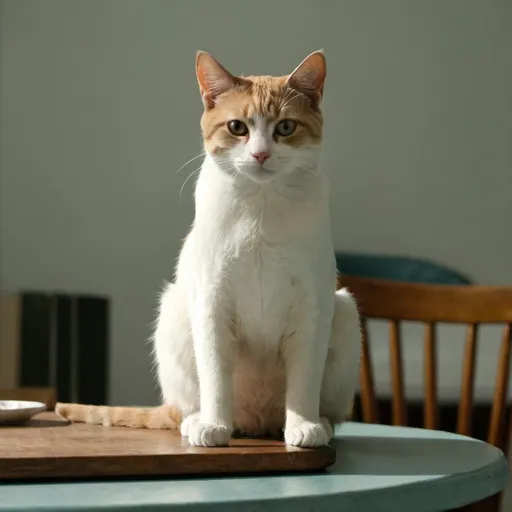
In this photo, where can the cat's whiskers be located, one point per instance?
(197, 171)
(203, 153)
(309, 173)
(308, 169)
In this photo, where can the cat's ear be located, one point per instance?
(213, 78)
(309, 76)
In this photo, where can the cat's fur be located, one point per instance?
(253, 335)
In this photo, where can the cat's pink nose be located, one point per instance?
(261, 156)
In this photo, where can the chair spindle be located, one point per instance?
(431, 407)
(499, 403)
(397, 374)
(368, 400)
(468, 382)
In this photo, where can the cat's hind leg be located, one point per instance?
(174, 353)
(341, 373)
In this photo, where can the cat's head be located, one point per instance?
(262, 127)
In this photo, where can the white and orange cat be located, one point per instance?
(252, 336)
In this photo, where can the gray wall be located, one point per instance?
(99, 108)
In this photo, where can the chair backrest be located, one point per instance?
(431, 304)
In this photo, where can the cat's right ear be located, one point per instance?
(213, 78)
(309, 76)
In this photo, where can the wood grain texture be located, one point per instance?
(49, 448)
(393, 300)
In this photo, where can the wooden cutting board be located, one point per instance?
(50, 448)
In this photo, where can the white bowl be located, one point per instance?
(14, 411)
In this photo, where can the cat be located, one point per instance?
(253, 335)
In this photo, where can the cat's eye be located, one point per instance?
(285, 127)
(238, 128)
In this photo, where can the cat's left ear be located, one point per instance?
(213, 78)
(309, 76)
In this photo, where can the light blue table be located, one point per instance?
(378, 469)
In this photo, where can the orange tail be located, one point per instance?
(162, 417)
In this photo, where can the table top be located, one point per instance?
(378, 468)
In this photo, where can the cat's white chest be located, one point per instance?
(264, 291)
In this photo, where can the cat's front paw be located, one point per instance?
(308, 434)
(205, 434)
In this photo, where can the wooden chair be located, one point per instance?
(45, 395)
(432, 304)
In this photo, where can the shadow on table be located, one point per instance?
(407, 457)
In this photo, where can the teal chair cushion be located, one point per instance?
(397, 268)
